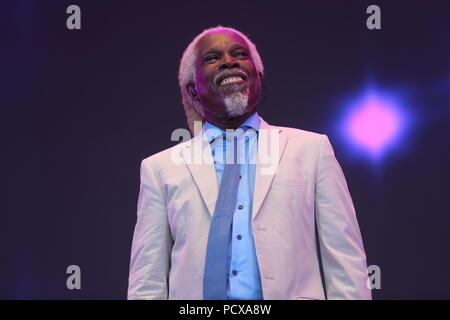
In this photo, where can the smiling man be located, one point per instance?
(229, 88)
(228, 229)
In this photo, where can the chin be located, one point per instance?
(236, 103)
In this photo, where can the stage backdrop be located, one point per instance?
(81, 108)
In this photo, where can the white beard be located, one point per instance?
(236, 103)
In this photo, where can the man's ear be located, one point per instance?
(190, 87)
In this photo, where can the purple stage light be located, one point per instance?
(374, 122)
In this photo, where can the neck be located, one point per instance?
(231, 123)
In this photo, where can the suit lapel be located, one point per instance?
(202, 169)
(271, 144)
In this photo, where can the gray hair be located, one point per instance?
(186, 72)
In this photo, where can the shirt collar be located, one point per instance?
(213, 131)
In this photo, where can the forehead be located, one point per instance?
(219, 40)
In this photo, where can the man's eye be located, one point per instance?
(210, 58)
(241, 54)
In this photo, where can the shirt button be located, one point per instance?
(240, 207)
(240, 177)
(239, 237)
(234, 272)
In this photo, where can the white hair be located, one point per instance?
(236, 102)
(186, 73)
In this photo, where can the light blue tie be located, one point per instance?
(216, 263)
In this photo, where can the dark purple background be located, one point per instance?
(81, 109)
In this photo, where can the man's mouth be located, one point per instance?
(231, 78)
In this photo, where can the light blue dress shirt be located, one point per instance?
(244, 277)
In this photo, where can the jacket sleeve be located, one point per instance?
(152, 241)
(341, 247)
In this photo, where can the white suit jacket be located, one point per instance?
(307, 193)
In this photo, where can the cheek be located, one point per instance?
(254, 75)
(202, 83)
(255, 85)
(201, 88)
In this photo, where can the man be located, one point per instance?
(230, 229)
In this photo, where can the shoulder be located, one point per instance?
(302, 136)
(300, 133)
(306, 142)
(164, 159)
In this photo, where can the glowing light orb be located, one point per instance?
(374, 122)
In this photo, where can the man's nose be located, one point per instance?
(228, 63)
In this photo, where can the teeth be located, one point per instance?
(231, 80)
